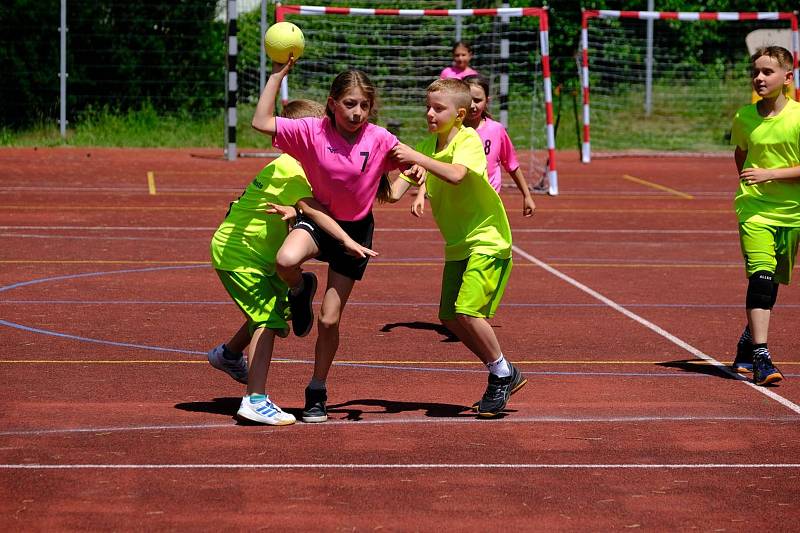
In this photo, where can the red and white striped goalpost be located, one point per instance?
(689, 16)
(541, 12)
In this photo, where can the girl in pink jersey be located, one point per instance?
(344, 156)
(496, 145)
(462, 55)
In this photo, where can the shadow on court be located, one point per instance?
(426, 326)
(698, 366)
(217, 406)
(433, 410)
(353, 410)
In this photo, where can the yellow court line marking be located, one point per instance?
(151, 182)
(657, 186)
(350, 362)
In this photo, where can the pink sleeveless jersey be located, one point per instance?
(498, 149)
(344, 177)
(451, 72)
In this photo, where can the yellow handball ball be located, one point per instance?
(283, 39)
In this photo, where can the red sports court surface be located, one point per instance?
(626, 293)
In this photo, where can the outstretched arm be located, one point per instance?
(264, 117)
(452, 173)
(528, 205)
(316, 212)
(418, 207)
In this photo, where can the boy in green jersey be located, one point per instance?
(243, 251)
(767, 139)
(473, 222)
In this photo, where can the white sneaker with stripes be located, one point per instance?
(264, 412)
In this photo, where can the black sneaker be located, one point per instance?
(743, 363)
(498, 391)
(764, 372)
(315, 410)
(301, 305)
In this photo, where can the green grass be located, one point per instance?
(678, 122)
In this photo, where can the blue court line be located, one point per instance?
(92, 274)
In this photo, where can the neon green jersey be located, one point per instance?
(771, 142)
(248, 239)
(470, 215)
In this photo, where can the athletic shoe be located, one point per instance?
(235, 368)
(764, 372)
(315, 410)
(498, 391)
(264, 412)
(743, 363)
(300, 304)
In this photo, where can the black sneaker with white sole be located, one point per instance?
(498, 391)
(315, 410)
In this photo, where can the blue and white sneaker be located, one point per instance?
(235, 368)
(264, 412)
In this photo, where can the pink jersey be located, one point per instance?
(344, 177)
(452, 72)
(498, 149)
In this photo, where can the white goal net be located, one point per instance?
(403, 50)
(681, 92)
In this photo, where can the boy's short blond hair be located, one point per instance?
(303, 108)
(778, 53)
(457, 90)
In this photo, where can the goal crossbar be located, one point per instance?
(688, 16)
(281, 11)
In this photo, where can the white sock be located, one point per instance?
(499, 367)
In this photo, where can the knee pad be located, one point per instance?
(762, 291)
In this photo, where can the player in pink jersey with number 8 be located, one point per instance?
(344, 157)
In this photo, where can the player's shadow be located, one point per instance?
(427, 326)
(217, 406)
(698, 366)
(355, 410)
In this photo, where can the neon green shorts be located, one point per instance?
(770, 248)
(473, 286)
(262, 299)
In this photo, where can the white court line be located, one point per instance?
(464, 419)
(657, 329)
(413, 466)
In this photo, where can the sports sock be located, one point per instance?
(499, 367)
(257, 398)
(747, 337)
(316, 384)
(760, 351)
(227, 354)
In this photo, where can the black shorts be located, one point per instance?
(332, 251)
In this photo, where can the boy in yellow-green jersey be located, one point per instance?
(473, 222)
(767, 139)
(243, 253)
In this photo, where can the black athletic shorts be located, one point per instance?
(332, 251)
